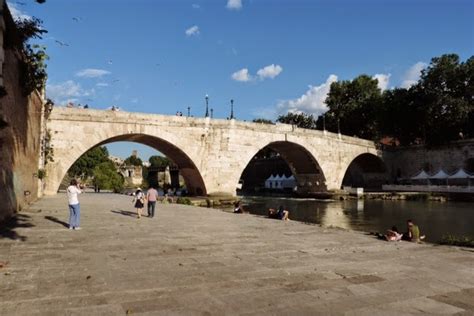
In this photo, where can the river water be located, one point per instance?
(435, 219)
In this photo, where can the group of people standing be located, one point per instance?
(150, 198)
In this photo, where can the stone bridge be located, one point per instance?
(211, 154)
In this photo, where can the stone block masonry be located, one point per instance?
(20, 130)
(211, 154)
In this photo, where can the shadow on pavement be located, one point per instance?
(125, 213)
(7, 228)
(56, 220)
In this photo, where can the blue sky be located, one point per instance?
(269, 56)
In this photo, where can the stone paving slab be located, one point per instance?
(196, 261)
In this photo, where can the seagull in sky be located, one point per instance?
(77, 19)
(61, 43)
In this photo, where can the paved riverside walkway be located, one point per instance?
(198, 261)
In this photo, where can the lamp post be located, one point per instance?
(189, 111)
(212, 112)
(232, 109)
(207, 106)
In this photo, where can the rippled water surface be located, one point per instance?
(435, 219)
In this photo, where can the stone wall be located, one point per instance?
(20, 130)
(406, 161)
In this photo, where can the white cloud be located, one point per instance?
(234, 4)
(68, 91)
(196, 6)
(242, 75)
(192, 31)
(312, 102)
(102, 84)
(270, 71)
(17, 14)
(413, 74)
(383, 80)
(92, 73)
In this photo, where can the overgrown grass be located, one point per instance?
(463, 241)
(183, 200)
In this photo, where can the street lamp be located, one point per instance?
(189, 111)
(212, 112)
(207, 106)
(232, 109)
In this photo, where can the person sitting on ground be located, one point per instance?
(281, 213)
(413, 233)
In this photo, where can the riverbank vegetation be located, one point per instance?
(462, 241)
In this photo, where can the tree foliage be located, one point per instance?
(106, 177)
(159, 162)
(33, 66)
(263, 121)
(301, 120)
(133, 161)
(353, 107)
(84, 166)
(439, 108)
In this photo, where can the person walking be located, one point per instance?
(139, 202)
(74, 208)
(151, 196)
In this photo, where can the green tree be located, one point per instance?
(84, 166)
(301, 120)
(134, 161)
(354, 107)
(446, 87)
(159, 161)
(263, 121)
(106, 177)
(401, 115)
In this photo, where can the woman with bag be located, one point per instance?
(139, 201)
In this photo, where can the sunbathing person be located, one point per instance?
(281, 213)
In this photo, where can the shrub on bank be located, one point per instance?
(183, 200)
(462, 241)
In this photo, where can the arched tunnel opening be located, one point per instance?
(283, 169)
(170, 169)
(366, 171)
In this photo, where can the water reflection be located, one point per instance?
(434, 218)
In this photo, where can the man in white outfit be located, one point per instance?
(74, 208)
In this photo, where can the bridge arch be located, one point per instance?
(366, 170)
(187, 168)
(310, 178)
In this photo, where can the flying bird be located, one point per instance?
(109, 62)
(61, 43)
(77, 19)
